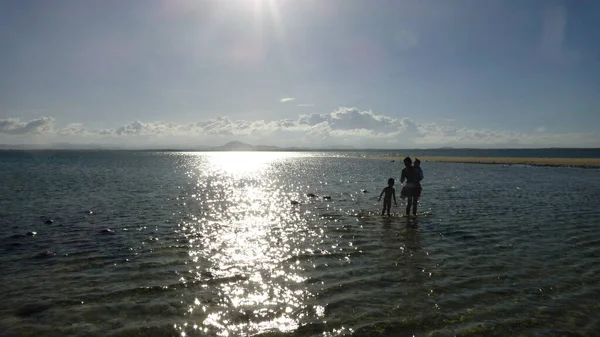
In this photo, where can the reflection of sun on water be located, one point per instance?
(240, 242)
(244, 163)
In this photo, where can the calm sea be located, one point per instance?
(210, 244)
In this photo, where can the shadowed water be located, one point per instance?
(210, 244)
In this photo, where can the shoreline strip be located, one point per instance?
(550, 162)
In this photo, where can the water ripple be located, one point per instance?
(211, 244)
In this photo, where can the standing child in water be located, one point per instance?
(390, 193)
(417, 166)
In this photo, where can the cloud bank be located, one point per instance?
(341, 127)
(13, 126)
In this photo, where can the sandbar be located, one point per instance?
(551, 162)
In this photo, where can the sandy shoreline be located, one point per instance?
(554, 162)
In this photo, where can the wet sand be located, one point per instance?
(553, 162)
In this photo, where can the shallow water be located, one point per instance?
(209, 244)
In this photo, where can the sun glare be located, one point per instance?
(262, 8)
(244, 163)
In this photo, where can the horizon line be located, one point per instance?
(7, 147)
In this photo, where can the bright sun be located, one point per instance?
(261, 7)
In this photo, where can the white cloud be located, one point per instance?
(286, 99)
(73, 129)
(344, 126)
(35, 126)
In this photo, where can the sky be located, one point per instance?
(314, 73)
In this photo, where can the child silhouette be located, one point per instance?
(390, 193)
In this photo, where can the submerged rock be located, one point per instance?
(294, 202)
(31, 233)
(107, 231)
(49, 222)
(311, 195)
(46, 254)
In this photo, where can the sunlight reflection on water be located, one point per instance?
(241, 235)
(242, 163)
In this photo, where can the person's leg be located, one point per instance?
(383, 210)
(389, 206)
(414, 206)
(409, 202)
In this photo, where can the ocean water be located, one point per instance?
(210, 244)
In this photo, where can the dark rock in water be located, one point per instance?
(365, 191)
(89, 211)
(311, 195)
(49, 222)
(45, 254)
(31, 233)
(294, 202)
(107, 231)
(32, 309)
(327, 197)
(393, 161)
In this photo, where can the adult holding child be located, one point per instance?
(411, 190)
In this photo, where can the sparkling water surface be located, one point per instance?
(229, 244)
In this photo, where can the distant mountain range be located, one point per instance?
(231, 146)
(240, 146)
(236, 146)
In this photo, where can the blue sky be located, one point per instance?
(379, 73)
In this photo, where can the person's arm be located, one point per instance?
(402, 176)
(381, 195)
(421, 176)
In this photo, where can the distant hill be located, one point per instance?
(240, 146)
(234, 146)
